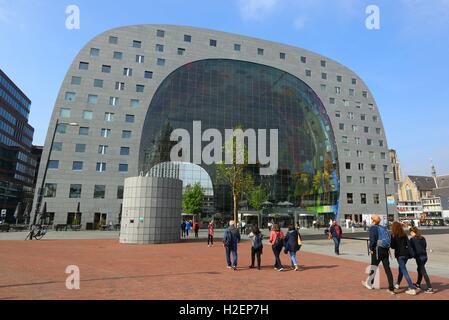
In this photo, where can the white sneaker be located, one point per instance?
(366, 285)
(281, 269)
(411, 292)
(396, 286)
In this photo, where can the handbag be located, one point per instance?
(299, 240)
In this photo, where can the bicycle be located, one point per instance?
(37, 234)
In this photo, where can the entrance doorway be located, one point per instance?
(100, 220)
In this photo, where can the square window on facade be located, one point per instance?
(99, 192)
(159, 48)
(348, 179)
(134, 103)
(84, 131)
(105, 133)
(332, 100)
(308, 73)
(161, 62)
(344, 139)
(102, 149)
(373, 167)
(57, 146)
(350, 198)
(323, 63)
(323, 88)
(348, 165)
(50, 190)
(237, 47)
(84, 66)
(91, 98)
(76, 81)
(108, 117)
(77, 166)
(260, 51)
(137, 44)
(126, 134)
(75, 191)
(118, 55)
(122, 167)
(378, 131)
(363, 198)
(114, 101)
(303, 59)
(383, 155)
(341, 126)
(140, 58)
(124, 151)
(338, 114)
(80, 148)
(148, 75)
(351, 92)
(339, 78)
(375, 180)
(61, 129)
(140, 88)
(365, 94)
(101, 166)
(53, 164)
(113, 40)
(105, 69)
(129, 118)
(120, 190)
(354, 81)
(70, 96)
(282, 56)
(369, 142)
(64, 113)
(181, 51)
(98, 83)
(160, 33)
(187, 38)
(88, 115)
(347, 153)
(94, 52)
(127, 72)
(120, 86)
(362, 180)
(366, 129)
(362, 117)
(213, 43)
(376, 198)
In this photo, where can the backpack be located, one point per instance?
(257, 242)
(384, 238)
(279, 242)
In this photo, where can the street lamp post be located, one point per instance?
(41, 189)
(386, 196)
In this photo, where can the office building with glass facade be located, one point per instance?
(17, 163)
(129, 88)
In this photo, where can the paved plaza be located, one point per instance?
(191, 270)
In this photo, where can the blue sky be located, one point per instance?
(405, 63)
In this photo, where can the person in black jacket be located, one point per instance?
(378, 255)
(419, 246)
(402, 252)
(292, 245)
(335, 233)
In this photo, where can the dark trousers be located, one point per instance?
(277, 253)
(234, 255)
(183, 232)
(337, 242)
(256, 253)
(187, 232)
(210, 239)
(196, 233)
(375, 261)
(422, 272)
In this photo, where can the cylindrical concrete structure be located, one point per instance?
(152, 210)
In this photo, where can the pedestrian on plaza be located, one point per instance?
(196, 228)
(298, 226)
(210, 234)
(364, 225)
(403, 252)
(314, 224)
(335, 233)
(293, 243)
(352, 226)
(256, 247)
(231, 238)
(187, 229)
(243, 227)
(270, 225)
(379, 245)
(277, 243)
(183, 228)
(419, 247)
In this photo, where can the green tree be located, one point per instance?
(235, 175)
(257, 197)
(302, 186)
(192, 199)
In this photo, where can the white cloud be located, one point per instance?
(257, 9)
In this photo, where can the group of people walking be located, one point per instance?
(188, 225)
(290, 243)
(405, 248)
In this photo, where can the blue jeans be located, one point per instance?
(337, 245)
(293, 257)
(228, 256)
(402, 261)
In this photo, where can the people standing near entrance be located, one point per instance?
(335, 233)
(352, 226)
(256, 247)
(270, 226)
(293, 242)
(243, 227)
(187, 229)
(379, 244)
(210, 234)
(403, 252)
(183, 228)
(277, 243)
(314, 223)
(364, 225)
(419, 246)
(196, 228)
(231, 238)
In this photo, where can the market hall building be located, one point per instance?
(130, 87)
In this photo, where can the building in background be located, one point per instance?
(130, 87)
(17, 163)
(397, 175)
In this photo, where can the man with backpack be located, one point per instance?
(335, 233)
(257, 247)
(379, 243)
(231, 238)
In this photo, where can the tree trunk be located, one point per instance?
(236, 200)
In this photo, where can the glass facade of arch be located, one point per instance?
(223, 94)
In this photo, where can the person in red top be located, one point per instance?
(277, 243)
(196, 228)
(210, 234)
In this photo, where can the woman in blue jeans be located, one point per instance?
(401, 244)
(292, 245)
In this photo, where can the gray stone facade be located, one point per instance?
(357, 125)
(152, 210)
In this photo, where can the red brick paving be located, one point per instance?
(109, 270)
